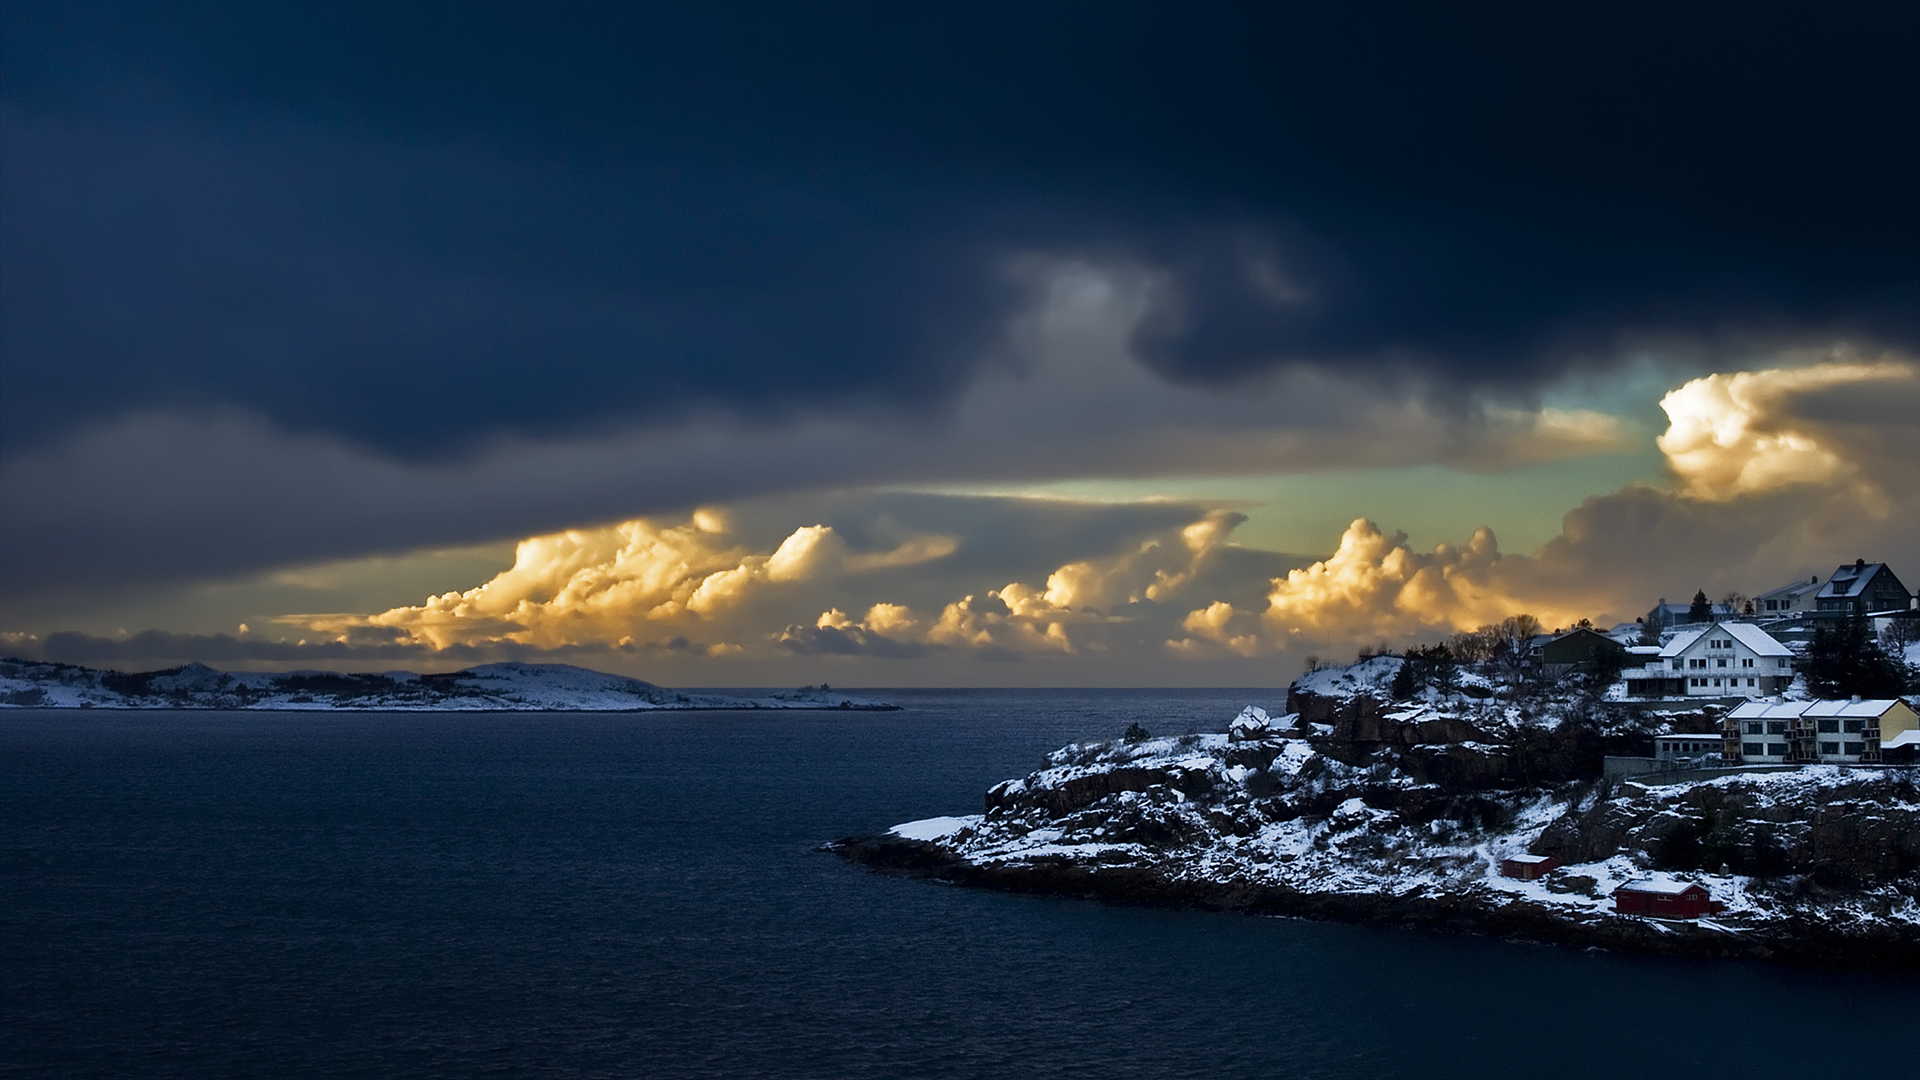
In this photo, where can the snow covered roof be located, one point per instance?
(1768, 710)
(1871, 707)
(1679, 642)
(1905, 738)
(1657, 885)
(1788, 710)
(1755, 639)
(1790, 592)
(1849, 581)
(1643, 650)
(1688, 738)
(1530, 860)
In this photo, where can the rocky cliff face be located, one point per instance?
(1837, 828)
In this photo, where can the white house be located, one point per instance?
(1724, 659)
(1781, 732)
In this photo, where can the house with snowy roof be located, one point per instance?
(1722, 659)
(1808, 732)
(1665, 616)
(1862, 588)
(1788, 600)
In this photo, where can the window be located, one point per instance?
(1827, 727)
(1776, 749)
(1780, 663)
(1856, 748)
(1749, 682)
(1776, 727)
(1829, 747)
(1747, 662)
(1753, 748)
(1852, 727)
(1753, 727)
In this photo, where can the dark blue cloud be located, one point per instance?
(419, 225)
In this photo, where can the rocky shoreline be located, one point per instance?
(1356, 807)
(1811, 945)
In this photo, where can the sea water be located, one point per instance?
(210, 895)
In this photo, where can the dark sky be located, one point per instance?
(419, 226)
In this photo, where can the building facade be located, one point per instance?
(1787, 600)
(1862, 588)
(1724, 659)
(1811, 732)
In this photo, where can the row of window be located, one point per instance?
(1716, 682)
(1779, 749)
(1746, 662)
(1779, 727)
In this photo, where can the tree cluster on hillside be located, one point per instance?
(1843, 660)
(1433, 665)
(1495, 640)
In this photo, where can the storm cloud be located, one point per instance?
(422, 229)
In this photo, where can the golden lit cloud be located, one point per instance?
(1738, 434)
(1375, 585)
(1215, 625)
(622, 583)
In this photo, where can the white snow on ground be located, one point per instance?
(1353, 847)
(934, 828)
(1341, 680)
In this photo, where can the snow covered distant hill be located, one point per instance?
(487, 687)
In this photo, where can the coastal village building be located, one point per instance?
(1861, 589)
(1676, 748)
(1811, 732)
(1579, 649)
(1664, 900)
(1528, 867)
(1723, 659)
(1665, 616)
(1787, 600)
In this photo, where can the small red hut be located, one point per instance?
(1528, 867)
(1664, 899)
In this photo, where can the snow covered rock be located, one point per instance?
(1252, 723)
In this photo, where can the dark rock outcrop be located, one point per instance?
(1857, 830)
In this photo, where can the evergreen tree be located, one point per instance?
(1843, 660)
(1702, 609)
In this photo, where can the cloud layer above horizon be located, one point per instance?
(285, 287)
(933, 580)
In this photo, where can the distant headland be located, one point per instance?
(483, 688)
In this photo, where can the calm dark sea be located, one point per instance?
(278, 895)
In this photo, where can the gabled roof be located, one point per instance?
(1789, 592)
(1849, 581)
(1761, 642)
(1679, 642)
(1754, 638)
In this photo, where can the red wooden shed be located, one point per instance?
(1528, 867)
(1664, 899)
